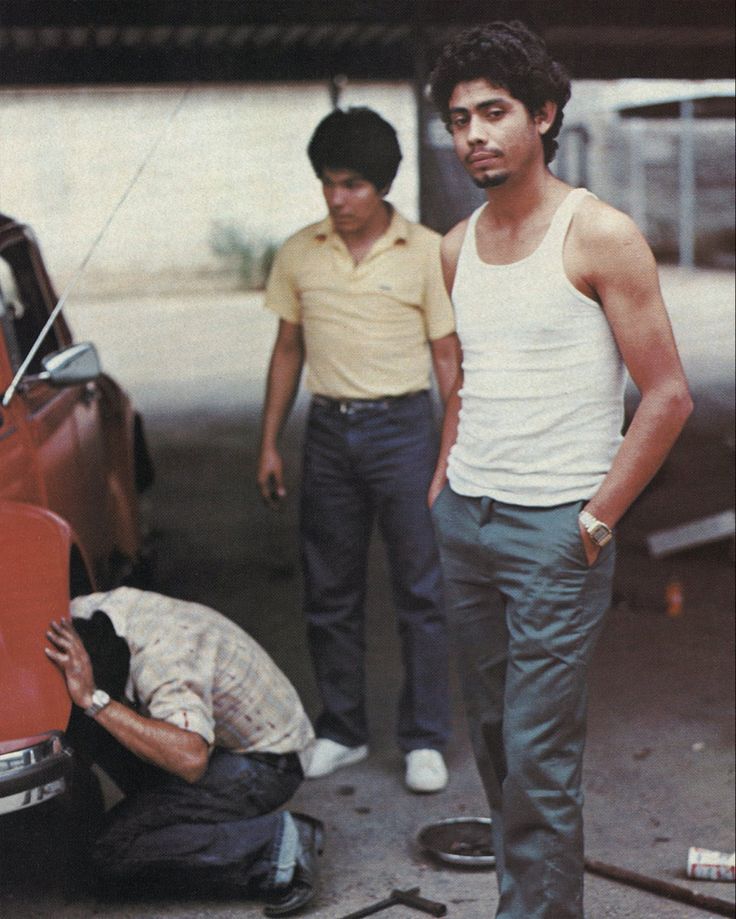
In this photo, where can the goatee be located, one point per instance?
(491, 181)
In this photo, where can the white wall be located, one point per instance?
(233, 155)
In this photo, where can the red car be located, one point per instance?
(72, 460)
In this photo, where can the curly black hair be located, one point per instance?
(509, 55)
(358, 139)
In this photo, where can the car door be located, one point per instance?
(19, 472)
(60, 427)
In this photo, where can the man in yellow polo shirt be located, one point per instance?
(361, 301)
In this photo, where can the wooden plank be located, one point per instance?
(696, 533)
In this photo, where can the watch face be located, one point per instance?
(600, 534)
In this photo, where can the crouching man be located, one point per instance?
(202, 733)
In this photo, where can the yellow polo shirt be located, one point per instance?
(367, 327)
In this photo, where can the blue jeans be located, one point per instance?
(373, 463)
(526, 611)
(220, 833)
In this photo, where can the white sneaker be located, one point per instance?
(425, 771)
(325, 756)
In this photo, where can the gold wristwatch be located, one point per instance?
(598, 531)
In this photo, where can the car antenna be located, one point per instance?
(10, 391)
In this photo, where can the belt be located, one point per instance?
(349, 406)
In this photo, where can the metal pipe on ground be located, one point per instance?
(662, 888)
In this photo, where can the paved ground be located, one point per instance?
(660, 765)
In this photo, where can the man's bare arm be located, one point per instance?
(182, 753)
(447, 439)
(449, 253)
(446, 363)
(623, 275)
(284, 373)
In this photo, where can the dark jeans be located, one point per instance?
(361, 465)
(526, 612)
(220, 832)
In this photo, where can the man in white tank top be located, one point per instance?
(555, 295)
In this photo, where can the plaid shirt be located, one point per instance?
(194, 668)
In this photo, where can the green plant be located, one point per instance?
(252, 258)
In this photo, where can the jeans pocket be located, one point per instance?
(438, 499)
(575, 542)
(583, 555)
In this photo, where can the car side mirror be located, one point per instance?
(72, 366)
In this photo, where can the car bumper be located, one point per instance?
(34, 773)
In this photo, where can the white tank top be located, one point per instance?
(542, 399)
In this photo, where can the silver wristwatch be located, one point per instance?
(598, 531)
(100, 699)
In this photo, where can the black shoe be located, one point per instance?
(304, 884)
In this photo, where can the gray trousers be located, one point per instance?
(525, 612)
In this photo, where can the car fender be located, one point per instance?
(38, 553)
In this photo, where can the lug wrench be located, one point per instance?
(404, 898)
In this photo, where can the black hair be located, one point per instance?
(357, 139)
(108, 652)
(509, 55)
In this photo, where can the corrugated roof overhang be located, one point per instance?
(118, 41)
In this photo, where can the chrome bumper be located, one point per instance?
(34, 774)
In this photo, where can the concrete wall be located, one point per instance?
(226, 157)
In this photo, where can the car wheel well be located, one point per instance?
(79, 578)
(142, 461)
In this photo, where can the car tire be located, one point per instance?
(143, 464)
